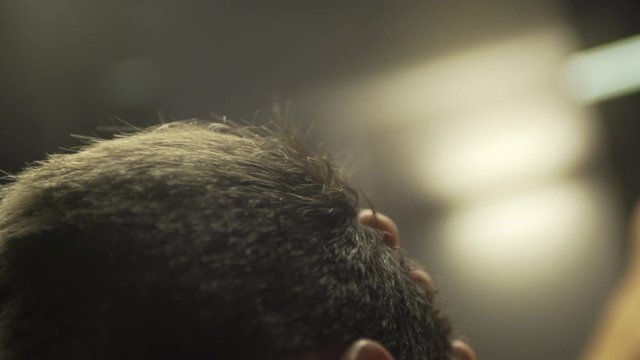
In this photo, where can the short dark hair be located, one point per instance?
(199, 240)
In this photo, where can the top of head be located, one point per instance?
(198, 241)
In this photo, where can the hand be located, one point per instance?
(461, 350)
(618, 336)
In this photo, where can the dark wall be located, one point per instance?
(69, 66)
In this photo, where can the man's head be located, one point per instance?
(200, 241)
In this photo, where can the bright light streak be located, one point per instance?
(606, 71)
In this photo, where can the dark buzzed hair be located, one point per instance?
(199, 241)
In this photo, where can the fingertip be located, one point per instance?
(462, 350)
(422, 278)
(383, 223)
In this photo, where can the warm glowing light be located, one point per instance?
(481, 121)
(489, 134)
(499, 147)
(479, 76)
(531, 237)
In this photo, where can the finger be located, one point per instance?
(365, 349)
(422, 278)
(463, 351)
(383, 223)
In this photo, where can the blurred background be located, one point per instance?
(501, 135)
